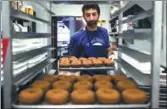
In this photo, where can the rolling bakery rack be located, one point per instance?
(149, 82)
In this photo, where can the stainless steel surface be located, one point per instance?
(123, 9)
(8, 72)
(156, 52)
(0, 41)
(23, 35)
(136, 34)
(48, 10)
(31, 53)
(91, 68)
(140, 16)
(134, 72)
(136, 50)
(138, 56)
(21, 15)
(30, 73)
(45, 106)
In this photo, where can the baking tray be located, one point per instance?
(86, 68)
(44, 105)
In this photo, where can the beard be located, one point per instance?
(92, 23)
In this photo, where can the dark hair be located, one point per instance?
(89, 6)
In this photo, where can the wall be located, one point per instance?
(75, 10)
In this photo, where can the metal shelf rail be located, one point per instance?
(154, 36)
(11, 79)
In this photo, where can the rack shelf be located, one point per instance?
(45, 106)
(30, 73)
(134, 49)
(123, 9)
(23, 35)
(28, 54)
(49, 11)
(21, 15)
(139, 34)
(87, 68)
(140, 16)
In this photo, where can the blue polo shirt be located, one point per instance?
(83, 40)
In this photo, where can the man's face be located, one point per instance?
(91, 17)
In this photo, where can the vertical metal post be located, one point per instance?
(8, 71)
(164, 28)
(0, 48)
(120, 17)
(156, 52)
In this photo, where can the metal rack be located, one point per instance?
(32, 69)
(133, 50)
(23, 78)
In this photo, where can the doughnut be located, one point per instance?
(87, 63)
(83, 59)
(97, 63)
(83, 85)
(56, 96)
(44, 85)
(30, 95)
(83, 96)
(92, 58)
(103, 84)
(84, 78)
(119, 77)
(101, 77)
(102, 58)
(126, 84)
(107, 96)
(64, 64)
(108, 62)
(134, 96)
(70, 78)
(50, 78)
(76, 63)
(62, 85)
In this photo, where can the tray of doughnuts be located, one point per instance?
(91, 63)
(71, 91)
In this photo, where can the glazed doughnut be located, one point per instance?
(83, 85)
(103, 84)
(101, 77)
(57, 96)
(64, 58)
(62, 85)
(102, 59)
(87, 63)
(126, 84)
(119, 77)
(83, 59)
(76, 63)
(50, 78)
(30, 95)
(134, 96)
(92, 58)
(109, 62)
(84, 78)
(97, 63)
(83, 96)
(44, 85)
(64, 64)
(70, 78)
(107, 96)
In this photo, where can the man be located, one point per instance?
(92, 41)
